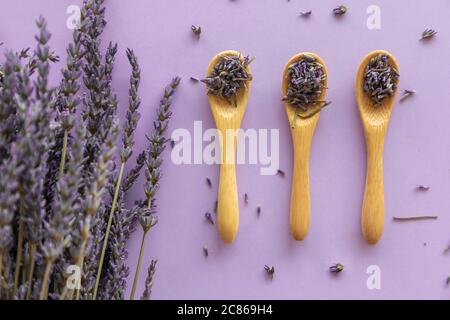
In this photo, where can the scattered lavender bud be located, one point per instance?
(246, 198)
(206, 251)
(421, 187)
(339, 267)
(195, 79)
(208, 182)
(406, 94)
(428, 34)
(258, 211)
(270, 270)
(196, 30)
(340, 10)
(209, 218)
(215, 206)
(305, 14)
(281, 173)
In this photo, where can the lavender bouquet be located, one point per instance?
(63, 184)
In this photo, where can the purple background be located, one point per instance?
(417, 147)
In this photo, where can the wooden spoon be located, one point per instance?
(375, 119)
(302, 133)
(228, 116)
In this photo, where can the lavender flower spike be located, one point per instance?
(149, 281)
(95, 191)
(125, 154)
(157, 145)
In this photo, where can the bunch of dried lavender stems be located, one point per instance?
(62, 197)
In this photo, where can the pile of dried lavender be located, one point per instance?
(306, 84)
(62, 198)
(380, 78)
(228, 76)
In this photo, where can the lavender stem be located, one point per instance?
(1, 271)
(63, 153)
(108, 229)
(44, 287)
(81, 257)
(30, 274)
(138, 266)
(19, 248)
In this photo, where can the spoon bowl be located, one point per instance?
(228, 118)
(302, 131)
(375, 118)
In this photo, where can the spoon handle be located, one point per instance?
(372, 219)
(227, 202)
(300, 196)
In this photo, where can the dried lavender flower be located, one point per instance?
(93, 202)
(380, 78)
(8, 104)
(339, 267)
(8, 205)
(125, 154)
(270, 270)
(157, 145)
(67, 100)
(406, 94)
(66, 206)
(32, 146)
(428, 34)
(422, 187)
(340, 10)
(149, 281)
(307, 81)
(133, 115)
(305, 14)
(196, 30)
(209, 218)
(60, 219)
(133, 174)
(228, 76)
(114, 277)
